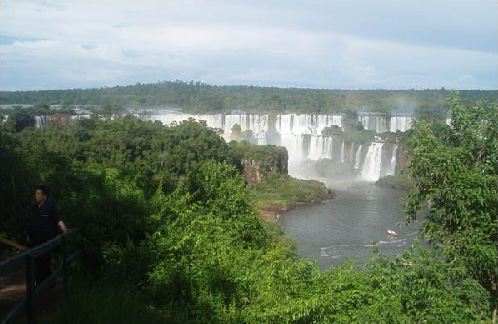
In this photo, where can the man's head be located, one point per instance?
(41, 194)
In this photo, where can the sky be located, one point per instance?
(395, 44)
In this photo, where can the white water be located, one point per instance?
(357, 160)
(342, 152)
(40, 121)
(373, 122)
(320, 148)
(401, 123)
(392, 171)
(370, 169)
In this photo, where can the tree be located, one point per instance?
(18, 120)
(430, 113)
(455, 170)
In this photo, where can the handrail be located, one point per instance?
(13, 244)
(28, 258)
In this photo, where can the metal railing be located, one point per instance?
(28, 258)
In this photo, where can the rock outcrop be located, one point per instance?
(259, 161)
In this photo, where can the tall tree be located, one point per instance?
(455, 170)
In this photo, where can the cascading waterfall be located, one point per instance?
(302, 136)
(320, 148)
(351, 150)
(392, 171)
(371, 167)
(294, 145)
(401, 123)
(357, 160)
(381, 124)
(342, 152)
(258, 124)
(40, 121)
(373, 122)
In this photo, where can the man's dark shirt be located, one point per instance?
(43, 223)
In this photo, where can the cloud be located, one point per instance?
(376, 44)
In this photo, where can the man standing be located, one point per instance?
(44, 225)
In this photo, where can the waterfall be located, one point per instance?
(357, 161)
(79, 117)
(370, 169)
(342, 152)
(392, 171)
(213, 121)
(401, 123)
(373, 121)
(319, 122)
(284, 124)
(40, 121)
(351, 150)
(168, 119)
(320, 148)
(301, 135)
(294, 145)
(259, 125)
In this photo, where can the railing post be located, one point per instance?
(65, 274)
(30, 287)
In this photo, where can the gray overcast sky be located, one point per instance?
(397, 44)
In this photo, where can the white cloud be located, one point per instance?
(314, 44)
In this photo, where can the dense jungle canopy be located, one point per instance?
(199, 97)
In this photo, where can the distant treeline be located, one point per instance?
(199, 97)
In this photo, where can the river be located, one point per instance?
(350, 225)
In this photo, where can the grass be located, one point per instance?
(282, 190)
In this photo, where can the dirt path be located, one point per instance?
(13, 291)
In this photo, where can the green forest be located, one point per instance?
(171, 231)
(196, 97)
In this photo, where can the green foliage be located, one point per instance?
(128, 262)
(264, 159)
(210, 232)
(431, 114)
(412, 289)
(110, 107)
(18, 120)
(281, 190)
(102, 305)
(206, 272)
(359, 136)
(401, 181)
(199, 97)
(455, 170)
(15, 187)
(333, 130)
(166, 210)
(102, 174)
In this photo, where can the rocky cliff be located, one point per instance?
(258, 161)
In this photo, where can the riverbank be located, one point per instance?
(272, 213)
(282, 193)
